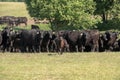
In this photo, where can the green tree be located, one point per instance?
(71, 13)
(115, 12)
(107, 8)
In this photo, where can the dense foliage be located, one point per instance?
(109, 10)
(75, 14)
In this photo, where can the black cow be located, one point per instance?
(90, 40)
(108, 40)
(9, 20)
(5, 39)
(8, 35)
(12, 21)
(52, 44)
(12, 35)
(30, 40)
(116, 46)
(21, 20)
(74, 40)
(16, 43)
(5, 19)
(35, 27)
(47, 36)
(38, 40)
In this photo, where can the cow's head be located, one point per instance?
(41, 34)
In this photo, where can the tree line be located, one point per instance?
(77, 14)
(12, 0)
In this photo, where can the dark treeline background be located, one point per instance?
(12, 0)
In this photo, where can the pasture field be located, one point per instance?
(13, 9)
(51, 66)
(18, 9)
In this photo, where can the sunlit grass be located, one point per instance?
(18, 9)
(51, 66)
(13, 9)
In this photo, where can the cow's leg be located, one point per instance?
(83, 48)
(93, 48)
(56, 47)
(36, 47)
(31, 49)
(3, 49)
(51, 46)
(111, 48)
(67, 48)
(97, 47)
(39, 48)
(61, 51)
(76, 48)
(48, 46)
(23, 49)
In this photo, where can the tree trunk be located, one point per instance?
(103, 17)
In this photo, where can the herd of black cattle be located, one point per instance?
(36, 40)
(12, 20)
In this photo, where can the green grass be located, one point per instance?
(69, 66)
(18, 9)
(13, 9)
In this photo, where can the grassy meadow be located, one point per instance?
(18, 9)
(51, 66)
(13, 9)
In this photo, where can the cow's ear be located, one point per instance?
(53, 32)
(81, 34)
(38, 33)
